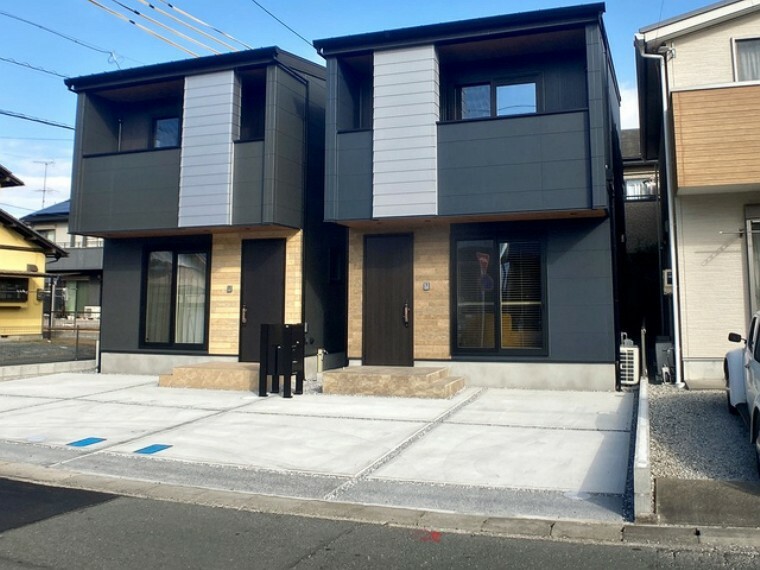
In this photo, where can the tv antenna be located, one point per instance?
(45, 189)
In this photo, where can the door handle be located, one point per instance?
(406, 312)
(244, 314)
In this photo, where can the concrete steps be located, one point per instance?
(242, 376)
(408, 382)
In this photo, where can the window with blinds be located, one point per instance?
(521, 295)
(499, 296)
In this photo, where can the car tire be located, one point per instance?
(731, 408)
(757, 451)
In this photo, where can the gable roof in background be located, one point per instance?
(30, 235)
(56, 213)
(7, 178)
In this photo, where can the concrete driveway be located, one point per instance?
(559, 455)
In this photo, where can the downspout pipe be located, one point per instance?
(670, 190)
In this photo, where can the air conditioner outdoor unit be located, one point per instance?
(629, 365)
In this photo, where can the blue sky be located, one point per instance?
(24, 145)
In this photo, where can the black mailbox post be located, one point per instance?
(282, 354)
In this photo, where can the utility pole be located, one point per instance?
(44, 180)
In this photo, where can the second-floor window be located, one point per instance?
(748, 60)
(166, 132)
(500, 99)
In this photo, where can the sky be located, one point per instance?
(97, 41)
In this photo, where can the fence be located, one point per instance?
(62, 342)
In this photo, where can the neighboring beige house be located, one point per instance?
(708, 144)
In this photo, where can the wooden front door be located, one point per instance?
(262, 295)
(388, 330)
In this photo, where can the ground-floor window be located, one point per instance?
(175, 298)
(499, 295)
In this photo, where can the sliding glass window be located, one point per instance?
(176, 299)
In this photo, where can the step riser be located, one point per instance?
(367, 386)
(209, 377)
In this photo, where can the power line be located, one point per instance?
(35, 119)
(282, 23)
(164, 26)
(190, 26)
(201, 22)
(17, 207)
(33, 67)
(112, 54)
(30, 139)
(143, 28)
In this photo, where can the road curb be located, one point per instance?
(559, 530)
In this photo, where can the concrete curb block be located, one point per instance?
(643, 499)
(559, 530)
(29, 370)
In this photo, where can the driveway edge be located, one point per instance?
(682, 537)
(643, 499)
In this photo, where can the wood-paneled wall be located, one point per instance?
(226, 253)
(717, 137)
(431, 308)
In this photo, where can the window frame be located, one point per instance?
(154, 137)
(172, 344)
(735, 53)
(496, 236)
(494, 84)
(22, 295)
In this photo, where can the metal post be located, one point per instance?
(76, 345)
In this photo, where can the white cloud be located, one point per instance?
(629, 107)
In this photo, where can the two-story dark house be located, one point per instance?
(205, 178)
(477, 167)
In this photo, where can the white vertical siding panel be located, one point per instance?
(406, 108)
(210, 124)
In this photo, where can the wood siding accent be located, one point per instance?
(226, 254)
(211, 121)
(717, 136)
(406, 109)
(431, 308)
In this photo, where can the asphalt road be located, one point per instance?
(42, 527)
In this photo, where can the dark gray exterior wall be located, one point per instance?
(579, 295)
(598, 124)
(325, 275)
(122, 288)
(79, 259)
(284, 148)
(248, 183)
(516, 164)
(122, 284)
(580, 298)
(123, 192)
(348, 154)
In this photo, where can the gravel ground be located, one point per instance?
(694, 437)
(14, 352)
